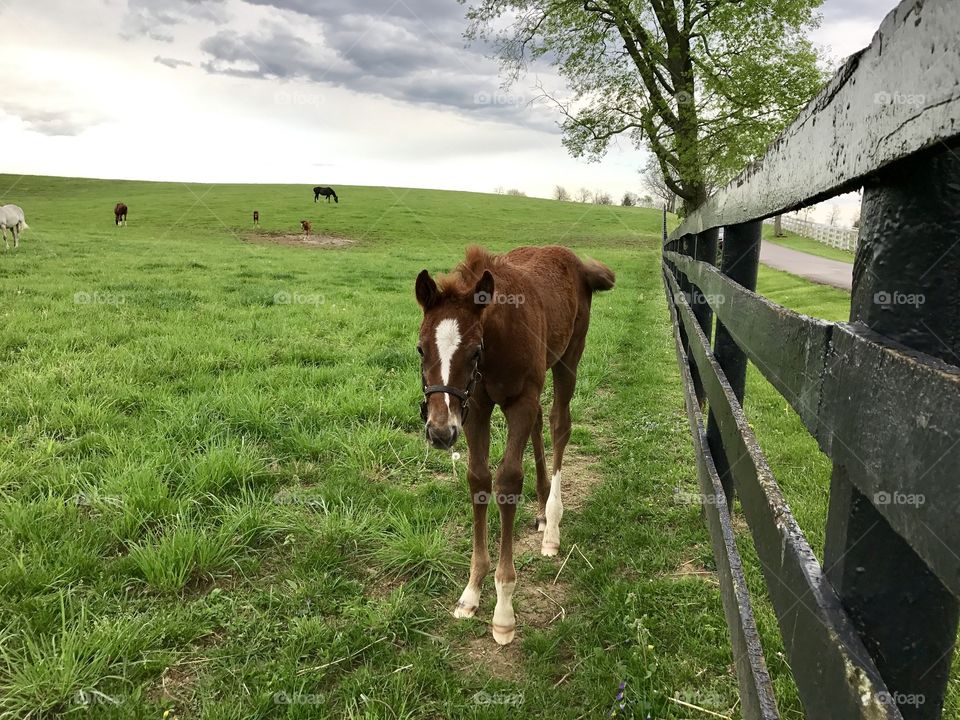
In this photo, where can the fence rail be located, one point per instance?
(869, 631)
(836, 237)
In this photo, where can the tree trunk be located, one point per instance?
(778, 226)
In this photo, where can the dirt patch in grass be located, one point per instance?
(319, 241)
(176, 687)
(503, 663)
(692, 569)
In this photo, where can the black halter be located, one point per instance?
(463, 395)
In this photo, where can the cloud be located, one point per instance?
(394, 55)
(866, 10)
(52, 122)
(173, 63)
(156, 18)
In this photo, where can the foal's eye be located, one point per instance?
(420, 350)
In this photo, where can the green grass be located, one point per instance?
(216, 497)
(807, 245)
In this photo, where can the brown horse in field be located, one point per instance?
(120, 214)
(256, 218)
(305, 226)
(490, 331)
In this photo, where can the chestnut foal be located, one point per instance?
(491, 330)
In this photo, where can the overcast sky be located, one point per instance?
(371, 92)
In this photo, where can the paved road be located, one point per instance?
(820, 270)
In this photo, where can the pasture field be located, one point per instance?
(216, 499)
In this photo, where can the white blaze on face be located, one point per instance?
(448, 340)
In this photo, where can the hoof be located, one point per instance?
(503, 635)
(549, 549)
(540, 523)
(464, 611)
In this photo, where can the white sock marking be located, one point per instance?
(551, 534)
(448, 340)
(504, 621)
(469, 599)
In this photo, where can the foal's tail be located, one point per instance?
(598, 276)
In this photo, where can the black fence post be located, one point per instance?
(705, 251)
(740, 262)
(906, 286)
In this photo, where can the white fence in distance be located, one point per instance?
(836, 237)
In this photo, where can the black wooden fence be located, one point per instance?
(869, 633)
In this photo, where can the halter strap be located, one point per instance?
(462, 395)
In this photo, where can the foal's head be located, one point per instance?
(450, 347)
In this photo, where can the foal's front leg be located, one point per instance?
(477, 431)
(521, 416)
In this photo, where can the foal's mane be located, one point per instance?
(464, 277)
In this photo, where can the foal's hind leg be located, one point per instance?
(539, 456)
(564, 383)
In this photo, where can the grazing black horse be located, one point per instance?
(326, 192)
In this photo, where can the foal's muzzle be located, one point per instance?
(444, 437)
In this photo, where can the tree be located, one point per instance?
(560, 193)
(834, 215)
(583, 195)
(629, 199)
(516, 193)
(602, 198)
(705, 83)
(656, 183)
(778, 226)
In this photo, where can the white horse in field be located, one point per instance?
(11, 216)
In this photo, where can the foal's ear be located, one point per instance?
(483, 291)
(427, 292)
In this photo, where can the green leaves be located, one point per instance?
(705, 86)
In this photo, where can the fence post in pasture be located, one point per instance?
(906, 286)
(740, 262)
(688, 247)
(705, 250)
